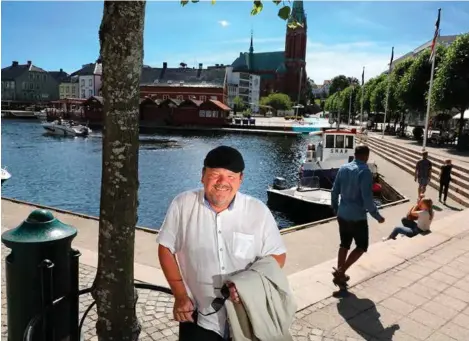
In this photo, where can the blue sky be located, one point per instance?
(342, 36)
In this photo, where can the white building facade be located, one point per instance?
(245, 86)
(89, 80)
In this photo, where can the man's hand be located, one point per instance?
(381, 220)
(234, 297)
(183, 309)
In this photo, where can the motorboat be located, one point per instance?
(310, 199)
(310, 124)
(5, 175)
(41, 115)
(62, 127)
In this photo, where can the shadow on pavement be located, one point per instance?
(367, 323)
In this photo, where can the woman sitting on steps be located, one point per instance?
(423, 213)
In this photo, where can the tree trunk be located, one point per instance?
(121, 38)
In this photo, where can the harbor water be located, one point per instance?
(66, 172)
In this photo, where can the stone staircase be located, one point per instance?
(406, 159)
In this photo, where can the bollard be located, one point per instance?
(40, 269)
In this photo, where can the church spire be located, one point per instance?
(297, 13)
(251, 47)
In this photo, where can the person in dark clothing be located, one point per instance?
(445, 179)
(423, 173)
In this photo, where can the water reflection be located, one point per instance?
(66, 172)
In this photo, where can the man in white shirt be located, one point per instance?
(209, 234)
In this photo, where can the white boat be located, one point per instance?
(66, 128)
(311, 199)
(5, 175)
(310, 124)
(41, 115)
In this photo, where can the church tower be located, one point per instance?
(295, 52)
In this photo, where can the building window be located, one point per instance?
(37, 86)
(90, 82)
(61, 90)
(180, 97)
(202, 98)
(90, 93)
(82, 82)
(214, 98)
(165, 96)
(31, 86)
(202, 113)
(208, 113)
(67, 89)
(44, 78)
(83, 95)
(214, 113)
(73, 89)
(31, 76)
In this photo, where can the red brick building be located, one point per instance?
(183, 83)
(170, 112)
(280, 71)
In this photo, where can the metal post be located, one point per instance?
(387, 102)
(74, 295)
(299, 93)
(362, 99)
(47, 292)
(427, 118)
(350, 106)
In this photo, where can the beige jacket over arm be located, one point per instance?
(267, 308)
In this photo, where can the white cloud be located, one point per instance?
(224, 23)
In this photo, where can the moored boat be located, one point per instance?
(66, 128)
(5, 175)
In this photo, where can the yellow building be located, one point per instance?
(69, 88)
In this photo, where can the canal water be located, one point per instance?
(66, 172)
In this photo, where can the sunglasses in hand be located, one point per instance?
(219, 302)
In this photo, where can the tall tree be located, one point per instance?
(121, 39)
(451, 86)
(277, 101)
(338, 83)
(395, 102)
(378, 95)
(413, 86)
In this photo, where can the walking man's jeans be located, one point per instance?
(444, 186)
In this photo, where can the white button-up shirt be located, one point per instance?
(211, 246)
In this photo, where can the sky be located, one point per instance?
(342, 36)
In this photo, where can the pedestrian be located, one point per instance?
(423, 173)
(445, 179)
(354, 185)
(207, 235)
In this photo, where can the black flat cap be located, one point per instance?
(225, 157)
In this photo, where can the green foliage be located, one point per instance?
(278, 101)
(338, 83)
(378, 95)
(258, 6)
(413, 86)
(451, 85)
(395, 103)
(238, 103)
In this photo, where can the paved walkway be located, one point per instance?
(425, 298)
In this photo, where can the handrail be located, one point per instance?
(28, 332)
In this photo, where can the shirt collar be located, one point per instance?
(207, 204)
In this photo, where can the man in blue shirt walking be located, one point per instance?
(354, 185)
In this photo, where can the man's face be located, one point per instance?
(220, 185)
(424, 155)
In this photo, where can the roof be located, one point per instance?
(261, 61)
(59, 76)
(14, 71)
(220, 105)
(213, 77)
(89, 70)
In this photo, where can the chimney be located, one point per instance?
(15, 63)
(200, 65)
(165, 65)
(29, 63)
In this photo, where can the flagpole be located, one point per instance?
(363, 90)
(350, 106)
(427, 118)
(387, 92)
(433, 55)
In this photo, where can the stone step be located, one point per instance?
(459, 175)
(454, 191)
(463, 170)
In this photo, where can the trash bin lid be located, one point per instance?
(39, 227)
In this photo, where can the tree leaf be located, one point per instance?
(257, 8)
(195, 1)
(184, 2)
(277, 2)
(284, 12)
(213, 2)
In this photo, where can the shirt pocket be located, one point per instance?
(243, 245)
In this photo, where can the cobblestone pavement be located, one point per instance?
(425, 298)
